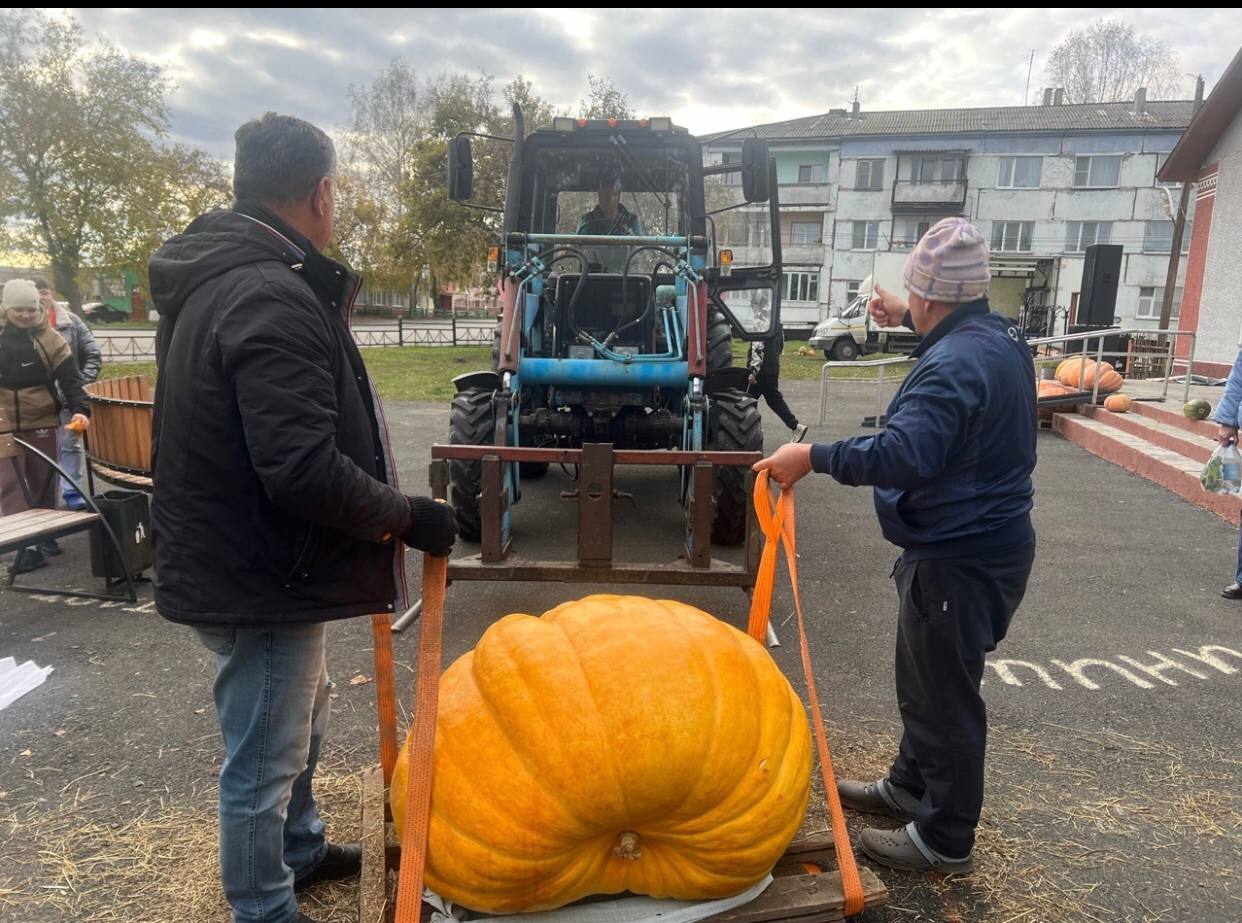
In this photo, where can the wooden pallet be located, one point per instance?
(807, 886)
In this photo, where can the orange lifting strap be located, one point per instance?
(776, 521)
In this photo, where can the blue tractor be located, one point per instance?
(621, 296)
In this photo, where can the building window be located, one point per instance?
(801, 286)
(936, 169)
(1019, 172)
(866, 235)
(1013, 236)
(806, 232)
(1097, 172)
(1158, 237)
(851, 290)
(870, 174)
(737, 229)
(1080, 235)
(909, 232)
(1150, 300)
(813, 173)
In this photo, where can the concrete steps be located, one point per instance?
(1158, 444)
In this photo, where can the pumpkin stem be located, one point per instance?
(627, 846)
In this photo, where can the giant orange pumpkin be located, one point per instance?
(1077, 374)
(616, 743)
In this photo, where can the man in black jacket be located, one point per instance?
(276, 506)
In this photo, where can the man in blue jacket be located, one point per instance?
(1228, 417)
(952, 479)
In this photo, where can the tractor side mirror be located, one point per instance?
(460, 169)
(755, 186)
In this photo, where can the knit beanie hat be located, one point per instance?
(20, 293)
(950, 263)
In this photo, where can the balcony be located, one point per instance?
(805, 193)
(800, 253)
(914, 196)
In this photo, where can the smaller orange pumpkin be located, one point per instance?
(1048, 388)
(1118, 403)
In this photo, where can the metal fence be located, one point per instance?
(120, 345)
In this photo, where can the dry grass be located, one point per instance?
(77, 862)
(1051, 828)
(1051, 824)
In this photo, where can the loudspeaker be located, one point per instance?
(1101, 274)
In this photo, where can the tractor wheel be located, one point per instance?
(719, 341)
(470, 423)
(735, 426)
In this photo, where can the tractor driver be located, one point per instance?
(609, 218)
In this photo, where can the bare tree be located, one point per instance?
(604, 100)
(389, 117)
(1108, 61)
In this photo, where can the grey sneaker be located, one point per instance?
(904, 849)
(880, 797)
(799, 433)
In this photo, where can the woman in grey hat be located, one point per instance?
(34, 359)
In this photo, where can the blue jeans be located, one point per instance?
(71, 453)
(272, 694)
(1237, 578)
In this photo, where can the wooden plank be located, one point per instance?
(814, 851)
(36, 520)
(120, 477)
(34, 523)
(805, 897)
(373, 880)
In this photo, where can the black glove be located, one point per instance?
(432, 527)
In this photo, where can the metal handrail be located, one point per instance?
(1099, 335)
(1129, 331)
(879, 364)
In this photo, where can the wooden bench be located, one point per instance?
(32, 526)
(118, 444)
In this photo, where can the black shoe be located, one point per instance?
(28, 559)
(51, 548)
(1233, 591)
(342, 860)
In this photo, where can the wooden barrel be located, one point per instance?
(120, 432)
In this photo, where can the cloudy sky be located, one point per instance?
(709, 70)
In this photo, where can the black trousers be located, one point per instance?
(768, 387)
(951, 613)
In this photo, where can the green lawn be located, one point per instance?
(426, 373)
(808, 368)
